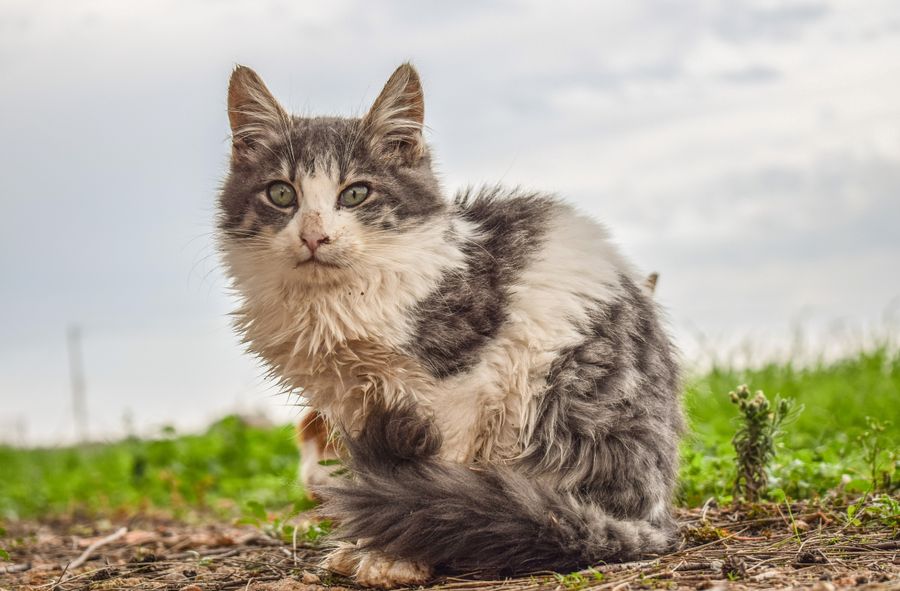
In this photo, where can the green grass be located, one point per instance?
(222, 470)
(234, 466)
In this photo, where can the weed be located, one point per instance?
(341, 470)
(875, 454)
(882, 509)
(754, 441)
(578, 580)
(317, 532)
(277, 525)
(794, 528)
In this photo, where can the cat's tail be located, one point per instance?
(405, 502)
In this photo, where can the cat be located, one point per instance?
(507, 396)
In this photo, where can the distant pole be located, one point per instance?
(21, 431)
(76, 375)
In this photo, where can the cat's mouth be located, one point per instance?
(313, 262)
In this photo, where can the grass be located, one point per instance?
(235, 469)
(224, 470)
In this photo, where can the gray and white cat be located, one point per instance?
(508, 399)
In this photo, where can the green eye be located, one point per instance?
(354, 195)
(281, 194)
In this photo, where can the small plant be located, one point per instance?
(882, 509)
(733, 567)
(872, 442)
(754, 441)
(578, 580)
(341, 470)
(278, 525)
(316, 533)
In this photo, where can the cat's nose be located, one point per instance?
(314, 240)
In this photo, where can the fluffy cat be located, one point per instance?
(507, 397)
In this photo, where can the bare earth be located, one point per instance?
(760, 547)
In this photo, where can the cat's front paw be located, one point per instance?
(379, 570)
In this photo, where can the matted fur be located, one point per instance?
(507, 394)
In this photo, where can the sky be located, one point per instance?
(748, 151)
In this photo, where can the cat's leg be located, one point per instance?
(315, 446)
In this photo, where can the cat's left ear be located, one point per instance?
(394, 123)
(252, 111)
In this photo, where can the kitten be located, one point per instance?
(507, 397)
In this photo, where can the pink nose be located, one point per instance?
(314, 240)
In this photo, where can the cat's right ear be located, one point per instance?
(252, 111)
(394, 123)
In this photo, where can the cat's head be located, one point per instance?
(320, 200)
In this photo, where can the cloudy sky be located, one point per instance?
(749, 151)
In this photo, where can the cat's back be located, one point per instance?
(535, 240)
(534, 269)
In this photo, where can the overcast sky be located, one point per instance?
(749, 151)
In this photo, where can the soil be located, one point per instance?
(801, 546)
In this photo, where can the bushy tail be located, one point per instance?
(403, 501)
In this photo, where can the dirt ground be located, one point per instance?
(762, 547)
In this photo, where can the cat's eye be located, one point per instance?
(281, 194)
(353, 195)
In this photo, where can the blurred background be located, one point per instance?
(748, 151)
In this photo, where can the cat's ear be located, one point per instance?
(394, 123)
(252, 111)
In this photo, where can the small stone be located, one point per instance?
(191, 588)
(810, 557)
(823, 586)
(309, 578)
(801, 525)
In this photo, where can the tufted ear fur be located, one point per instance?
(394, 123)
(252, 111)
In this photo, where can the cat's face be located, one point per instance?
(320, 200)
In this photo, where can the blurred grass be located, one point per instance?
(234, 465)
(221, 470)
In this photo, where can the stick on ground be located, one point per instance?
(93, 547)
